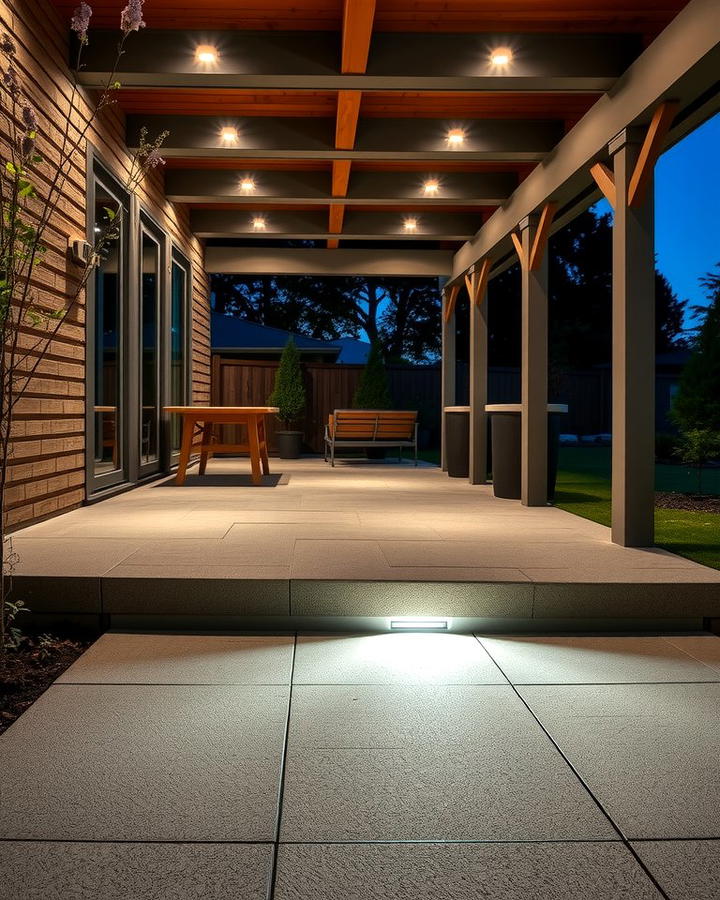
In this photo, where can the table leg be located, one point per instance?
(205, 451)
(263, 447)
(185, 447)
(254, 444)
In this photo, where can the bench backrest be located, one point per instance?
(372, 424)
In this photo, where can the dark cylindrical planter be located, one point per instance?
(289, 444)
(457, 441)
(505, 430)
(553, 454)
(505, 436)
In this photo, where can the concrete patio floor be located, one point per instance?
(369, 767)
(362, 539)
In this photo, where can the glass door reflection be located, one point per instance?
(150, 354)
(109, 311)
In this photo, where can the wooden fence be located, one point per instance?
(237, 382)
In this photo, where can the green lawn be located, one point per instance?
(583, 488)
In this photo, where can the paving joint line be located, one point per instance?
(582, 781)
(272, 875)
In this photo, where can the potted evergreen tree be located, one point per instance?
(373, 391)
(289, 397)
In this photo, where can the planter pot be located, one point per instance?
(289, 444)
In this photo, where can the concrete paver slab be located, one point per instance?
(594, 871)
(393, 659)
(145, 763)
(599, 660)
(184, 659)
(647, 751)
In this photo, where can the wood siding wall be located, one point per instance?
(48, 448)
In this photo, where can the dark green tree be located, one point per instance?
(697, 404)
(289, 392)
(373, 391)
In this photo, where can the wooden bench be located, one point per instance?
(353, 429)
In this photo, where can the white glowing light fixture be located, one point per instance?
(247, 185)
(455, 137)
(229, 135)
(259, 223)
(410, 225)
(407, 623)
(206, 55)
(431, 187)
(502, 56)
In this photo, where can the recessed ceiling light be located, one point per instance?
(206, 55)
(502, 56)
(259, 223)
(431, 186)
(419, 624)
(247, 185)
(455, 137)
(410, 224)
(229, 135)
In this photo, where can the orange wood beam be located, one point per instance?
(470, 285)
(605, 180)
(337, 213)
(340, 177)
(333, 243)
(518, 248)
(348, 112)
(481, 282)
(358, 16)
(650, 150)
(542, 233)
(450, 300)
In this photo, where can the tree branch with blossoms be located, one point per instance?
(31, 190)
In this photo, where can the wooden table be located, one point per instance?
(202, 420)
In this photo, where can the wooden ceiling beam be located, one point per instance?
(605, 180)
(358, 17)
(348, 112)
(650, 151)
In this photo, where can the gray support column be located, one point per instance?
(447, 390)
(633, 362)
(478, 391)
(534, 372)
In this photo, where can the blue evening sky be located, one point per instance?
(687, 211)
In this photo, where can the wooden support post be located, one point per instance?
(479, 375)
(448, 363)
(633, 364)
(534, 369)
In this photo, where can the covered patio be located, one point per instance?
(361, 541)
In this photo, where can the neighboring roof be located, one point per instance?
(233, 333)
(352, 351)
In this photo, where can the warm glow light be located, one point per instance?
(247, 185)
(419, 624)
(431, 186)
(455, 137)
(229, 135)
(259, 224)
(410, 225)
(501, 57)
(206, 55)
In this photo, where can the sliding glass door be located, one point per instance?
(108, 461)
(138, 324)
(149, 356)
(179, 337)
